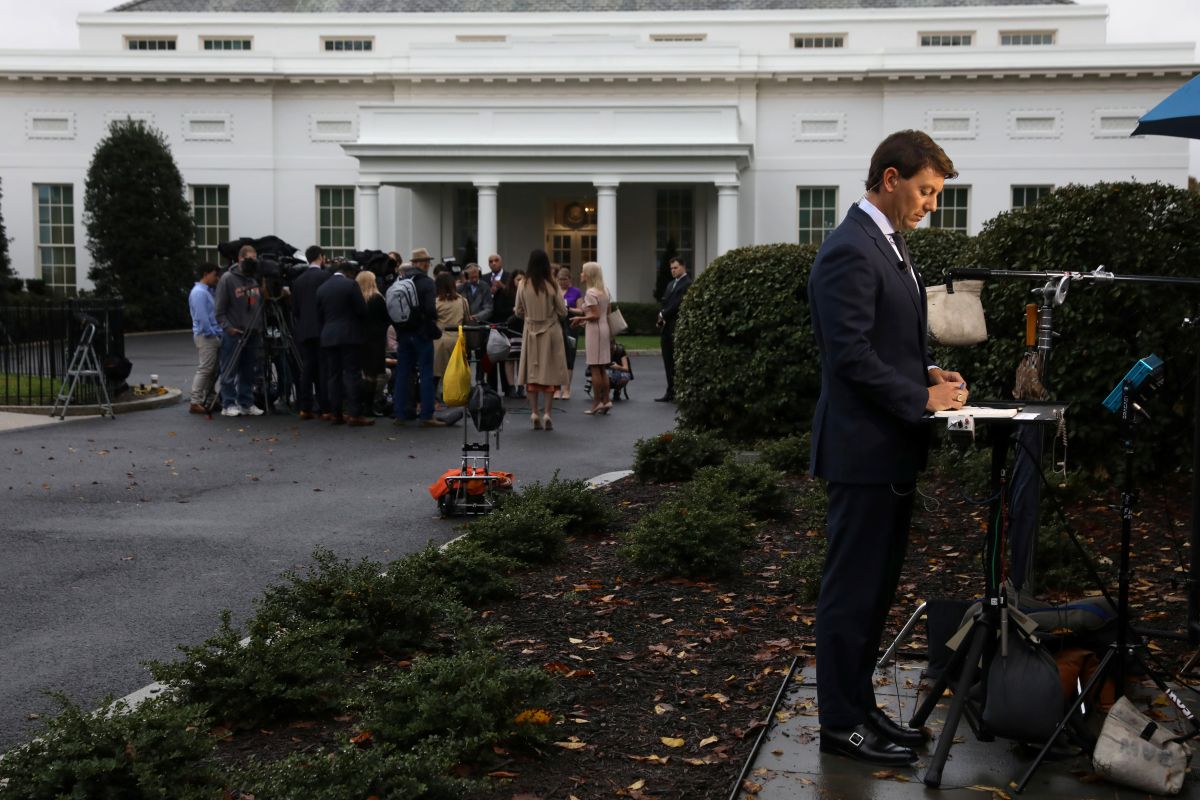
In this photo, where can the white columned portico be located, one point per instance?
(727, 217)
(487, 237)
(367, 233)
(606, 233)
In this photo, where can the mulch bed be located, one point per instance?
(666, 683)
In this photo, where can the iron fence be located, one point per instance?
(38, 340)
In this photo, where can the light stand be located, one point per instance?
(1128, 643)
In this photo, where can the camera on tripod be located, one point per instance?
(274, 272)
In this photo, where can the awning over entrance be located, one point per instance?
(601, 144)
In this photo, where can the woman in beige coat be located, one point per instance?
(543, 366)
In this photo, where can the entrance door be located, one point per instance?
(571, 233)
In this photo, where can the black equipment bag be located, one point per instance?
(486, 408)
(1024, 693)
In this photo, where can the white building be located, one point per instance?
(471, 126)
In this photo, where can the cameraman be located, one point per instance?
(237, 301)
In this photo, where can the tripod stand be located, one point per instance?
(975, 653)
(279, 357)
(1128, 643)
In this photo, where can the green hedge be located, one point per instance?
(641, 318)
(746, 363)
(1130, 229)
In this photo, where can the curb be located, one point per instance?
(172, 397)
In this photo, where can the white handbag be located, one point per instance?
(956, 318)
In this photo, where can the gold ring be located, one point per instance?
(958, 397)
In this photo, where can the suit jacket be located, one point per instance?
(481, 302)
(305, 325)
(672, 299)
(869, 320)
(342, 312)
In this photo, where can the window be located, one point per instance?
(952, 209)
(210, 210)
(946, 39)
(56, 236)
(363, 44)
(818, 213)
(1024, 38)
(150, 44)
(1023, 196)
(335, 219)
(226, 44)
(678, 37)
(674, 222)
(817, 41)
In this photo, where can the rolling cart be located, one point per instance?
(471, 488)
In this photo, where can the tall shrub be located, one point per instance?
(745, 358)
(139, 226)
(6, 270)
(1130, 229)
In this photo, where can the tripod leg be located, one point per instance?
(939, 687)
(979, 637)
(1087, 690)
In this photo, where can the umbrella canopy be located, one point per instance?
(1178, 115)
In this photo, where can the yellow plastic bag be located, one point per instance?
(456, 383)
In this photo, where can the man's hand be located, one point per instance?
(938, 375)
(946, 397)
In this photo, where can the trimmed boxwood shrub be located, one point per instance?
(696, 535)
(746, 362)
(755, 487)
(1130, 229)
(641, 318)
(676, 455)
(471, 700)
(475, 576)
(159, 749)
(788, 454)
(375, 610)
(584, 510)
(528, 532)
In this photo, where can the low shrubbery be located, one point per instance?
(160, 749)
(695, 535)
(801, 575)
(755, 488)
(583, 510)
(279, 673)
(788, 454)
(527, 532)
(676, 455)
(471, 573)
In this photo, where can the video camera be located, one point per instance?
(274, 273)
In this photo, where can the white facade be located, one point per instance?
(588, 135)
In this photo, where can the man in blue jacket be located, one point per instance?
(868, 439)
(206, 334)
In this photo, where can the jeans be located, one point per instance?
(413, 351)
(205, 382)
(239, 389)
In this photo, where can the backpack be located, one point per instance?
(402, 300)
(486, 408)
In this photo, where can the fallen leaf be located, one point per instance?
(708, 741)
(570, 745)
(638, 784)
(671, 741)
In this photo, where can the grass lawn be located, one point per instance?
(18, 389)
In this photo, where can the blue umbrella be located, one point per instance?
(1178, 115)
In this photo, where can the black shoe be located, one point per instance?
(882, 724)
(862, 743)
(666, 398)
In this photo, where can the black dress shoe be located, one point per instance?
(666, 398)
(882, 724)
(862, 743)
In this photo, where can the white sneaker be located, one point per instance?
(252, 411)
(231, 411)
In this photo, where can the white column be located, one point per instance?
(727, 217)
(367, 233)
(487, 238)
(606, 234)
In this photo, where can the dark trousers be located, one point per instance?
(668, 355)
(345, 376)
(866, 535)
(311, 392)
(414, 353)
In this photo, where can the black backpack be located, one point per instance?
(486, 408)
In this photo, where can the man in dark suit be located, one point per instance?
(868, 441)
(478, 294)
(306, 330)
(342, 312)
(672, 297)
